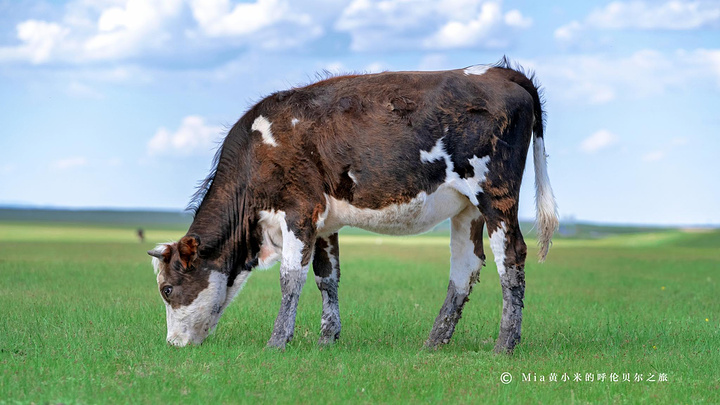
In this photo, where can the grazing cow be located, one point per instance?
(394, 153)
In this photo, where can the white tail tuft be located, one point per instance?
(546, 219)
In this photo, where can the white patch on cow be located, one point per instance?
(292, 247)
(480, 169)
(477, 69)
(469, 187)
(279, 242)
(497, 245)
(262, 125)
(418, 215)
(352, 176)
(546, 221)
(232, 292)
(193, 323)
(436, 153)
(294, 122)
(272, 238)
(463, 261)
(237, 286)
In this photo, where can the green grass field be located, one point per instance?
(82, 322)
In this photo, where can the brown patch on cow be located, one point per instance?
(476, 233)
(501, 196)
(495, 189)
(505, 204)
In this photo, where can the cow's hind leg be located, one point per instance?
(508, 246)
(295, 263)
(326, 265)
(467, 258)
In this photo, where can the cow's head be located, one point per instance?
(195, 290)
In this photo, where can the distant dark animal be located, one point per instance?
(141, 235)
(394, 153)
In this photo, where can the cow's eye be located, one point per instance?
(166, 291)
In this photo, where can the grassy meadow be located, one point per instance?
(82, 322)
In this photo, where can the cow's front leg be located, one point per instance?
(297, 246)
(326, 265)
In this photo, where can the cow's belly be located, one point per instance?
(418, 215)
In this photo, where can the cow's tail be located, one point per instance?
(546, 216)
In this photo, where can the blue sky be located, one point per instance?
(120, 103)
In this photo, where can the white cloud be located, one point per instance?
(670, 15)
(599, 140)
(217, 19)
(568, 32)
(271, 24)
(709, 58)
(95, 32)
(514, 18)
(39, 42)
(193, 137)
(126, 29)
(643, 15)
(69, 163)
(387, 25)
(599, 78)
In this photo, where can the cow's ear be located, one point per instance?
(187, 250)
(162, 252)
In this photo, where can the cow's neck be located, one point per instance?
(224, 222)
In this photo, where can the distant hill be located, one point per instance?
(181, 220)
(100, 217)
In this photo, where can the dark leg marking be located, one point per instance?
(510, 251)
(326, 265)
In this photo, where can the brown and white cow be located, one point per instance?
(394, 153)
